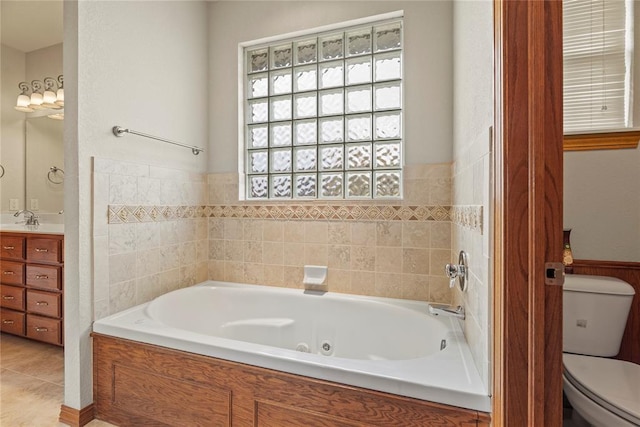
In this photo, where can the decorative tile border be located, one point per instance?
(469, 217)
(119, 214)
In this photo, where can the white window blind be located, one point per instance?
(597, 51)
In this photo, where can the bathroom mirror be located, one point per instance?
(44, 170)
(31, 142)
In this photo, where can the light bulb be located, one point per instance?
(49, 99)
(22, 104)
(36, 100)
(60, 97)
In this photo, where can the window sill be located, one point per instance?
(602, 141)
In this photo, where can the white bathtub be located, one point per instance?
(376, 343)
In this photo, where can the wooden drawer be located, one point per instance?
(12, 273)
(44, 250)
(12, 247)
(12, 297)
(12, 321)
(44, 329)
(44, 303)
(44, 276)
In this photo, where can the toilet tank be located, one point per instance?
(595, 311)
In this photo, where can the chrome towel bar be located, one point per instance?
(120, 131)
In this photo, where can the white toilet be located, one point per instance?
(603, 392)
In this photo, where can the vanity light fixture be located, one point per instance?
(32, 98)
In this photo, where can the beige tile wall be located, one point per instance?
(399, 259)
(135, 262)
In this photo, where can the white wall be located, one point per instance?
(472, 118)
(12, 132)
(141, 65)
(427, 66)
(602, 192)
(45, 62)
(602, 204)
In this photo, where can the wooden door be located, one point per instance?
(527, 388)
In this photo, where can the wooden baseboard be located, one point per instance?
(75, 417)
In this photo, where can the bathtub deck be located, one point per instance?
(145, 384)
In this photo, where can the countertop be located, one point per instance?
(41, 228)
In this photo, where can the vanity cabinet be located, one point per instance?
(31, 285)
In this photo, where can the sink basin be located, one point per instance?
(41, 228)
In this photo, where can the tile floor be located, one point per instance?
(31, 384)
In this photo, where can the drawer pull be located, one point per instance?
(42, 250)
(8, 248)
(42, 303)
(8, 322)
(41, 276)
(41, 329)
(8, 297)
(8, 273)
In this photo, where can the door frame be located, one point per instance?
(527, 323)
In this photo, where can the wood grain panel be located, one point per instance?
(75, 417)
(602, 141)
(549, 338)
(12, 247)
(630, 273)
(512, 133)
(44, 303)
(44, 329)
(173, 401)
(44, 250)
(527, 206)
(12, 322)
(181, 375)
(44, 277)
(12, 297)
(12, 273)
(271, 415)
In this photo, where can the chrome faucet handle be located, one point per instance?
(453, 271)
(458, 271)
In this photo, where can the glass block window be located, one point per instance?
(323, 115)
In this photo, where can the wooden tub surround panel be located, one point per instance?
(142, 384)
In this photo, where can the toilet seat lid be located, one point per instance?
(614, 384)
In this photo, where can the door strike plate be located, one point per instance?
(554, 273)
